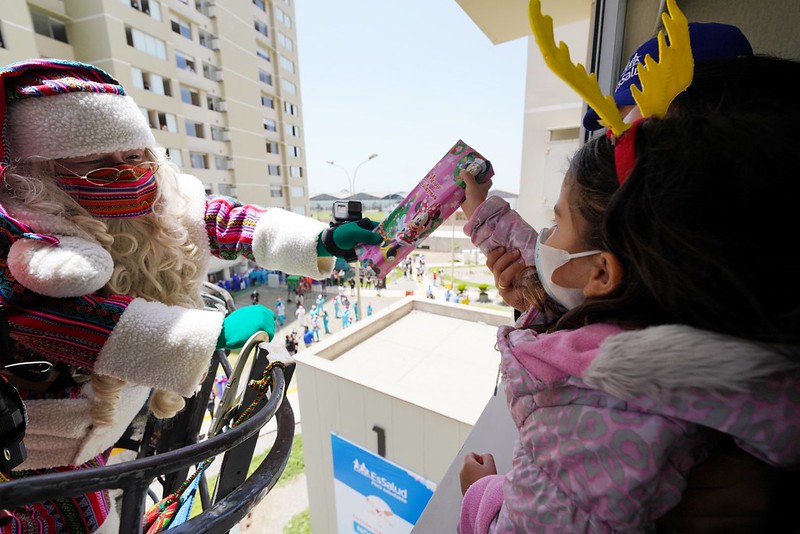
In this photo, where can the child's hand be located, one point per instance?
(505, 267)
(476, 466)
(476, 193)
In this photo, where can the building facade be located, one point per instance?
(217, 81)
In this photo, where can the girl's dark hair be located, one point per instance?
(752, 82)
(593, 175)
(706, 224)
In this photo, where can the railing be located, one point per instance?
(235, 493)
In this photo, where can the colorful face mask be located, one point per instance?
(121, 191)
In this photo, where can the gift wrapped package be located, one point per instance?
(435, 198)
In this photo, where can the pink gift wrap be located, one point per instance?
(432, 201)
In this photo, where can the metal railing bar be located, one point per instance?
(141, 471)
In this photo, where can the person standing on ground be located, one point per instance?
(254, 296)
(346, 317)
(308, 336)
(315, 326)
(300, 314)
(291, 344)
(337, 312)
(325, 319)
(280, 311)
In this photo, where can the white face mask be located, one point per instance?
(548, 259)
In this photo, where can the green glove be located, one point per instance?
(242, 323)
(340, 240)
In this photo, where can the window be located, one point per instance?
(288, 87)
(190, 96)
(290, 108)
(263, 53)
(292, 130)
(168, 122)
(295, 171)
(267, 101)
(149, 7)
(184, 61)
(286, 64)
(149, 81)
(274, 170)
(297, 191)
(175, 156)
(221, 163)
(206, 39)
(218, 133)
(215, 103)
(212, 72)
(270, 125)
(161, 121)
(285, 19)
(182, 27)
(48, 26)
(272, 148)
(294, 151)
(146, 43)
(300, 210)
(194, 128)
(285, 42)
(2, 42)
(265, 77)
(227, 190)
(261, 28)
(198, 160)
(205, 7)
(260, 4)
(276, 191)
(287, 2)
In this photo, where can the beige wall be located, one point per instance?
(551, 126)
(96, 31)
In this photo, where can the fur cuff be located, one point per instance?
(159, 346)
(288, 242)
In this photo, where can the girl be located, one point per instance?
(613, 415)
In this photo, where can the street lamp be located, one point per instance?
(351, 182)
(355, 172)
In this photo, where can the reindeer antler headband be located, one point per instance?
(661, 80)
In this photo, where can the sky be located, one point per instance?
(404, 80)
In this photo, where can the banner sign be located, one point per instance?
(374, 495)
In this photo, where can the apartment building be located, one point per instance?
(218, 81)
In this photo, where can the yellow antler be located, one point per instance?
(557, 58)
(675, 69)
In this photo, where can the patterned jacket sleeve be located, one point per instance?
(494, 224)
(101, 333)
(272, 237)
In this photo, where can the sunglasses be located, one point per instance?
(109, 175)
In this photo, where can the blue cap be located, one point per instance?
(710, 41)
